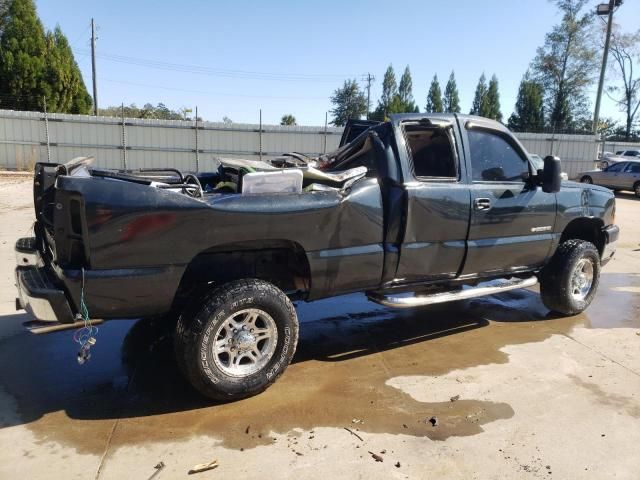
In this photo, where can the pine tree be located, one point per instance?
(22, 58)
(349, 102)
(434, 98)
(405, 92)
(491, 106)
(65, 89)
(389, 92)
(451, 97)
(479, 97)
(35, 65)
(528, 115)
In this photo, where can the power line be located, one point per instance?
(200, 70)
(208, 92)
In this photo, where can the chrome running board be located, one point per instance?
(399, 300)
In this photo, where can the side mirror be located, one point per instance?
(551, 174)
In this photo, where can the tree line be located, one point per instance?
(553, 92)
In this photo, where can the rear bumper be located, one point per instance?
(611, 234)
(39, 296)
(52, 294)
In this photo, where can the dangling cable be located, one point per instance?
(84, 336)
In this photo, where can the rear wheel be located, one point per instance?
(636, 189)
(586, 179)
(238, 339)
(570, 280)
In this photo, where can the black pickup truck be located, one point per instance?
(417, 210)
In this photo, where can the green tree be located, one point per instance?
(405, 92)
(480, 96)
(451, 97)
(64, 89)
(528, 115)
(389, 91)
(491, 105)
(35, 65)
(565, 64)
(348, 102)
(22, 58)
(288, 119)
(625, 50)
(434, 98)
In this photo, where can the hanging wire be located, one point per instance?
(85, 335)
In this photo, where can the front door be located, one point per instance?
(512, 220)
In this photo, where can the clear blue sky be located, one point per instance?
(299, 52)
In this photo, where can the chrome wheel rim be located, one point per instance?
(582, 279)
(245, 342)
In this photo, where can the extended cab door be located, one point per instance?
(437, 200)
(512, 220)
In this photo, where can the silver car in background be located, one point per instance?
(623, 175)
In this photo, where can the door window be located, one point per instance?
(616, 167)
(493, 159)
(634, 168)
(431, 152)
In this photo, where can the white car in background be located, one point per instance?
(620, 156)
(538, 163)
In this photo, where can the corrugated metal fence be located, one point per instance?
(141, 143)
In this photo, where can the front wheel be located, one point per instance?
(570, 280)
(636, 189)
(586, 179)
(237, 340)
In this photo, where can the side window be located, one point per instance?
(616, 167)
(431, 152)
(494, 159)
(633, 167)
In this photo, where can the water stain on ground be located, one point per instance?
(348, 350)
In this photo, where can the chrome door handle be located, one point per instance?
(482, 204)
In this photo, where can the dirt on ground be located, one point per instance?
(495, 387)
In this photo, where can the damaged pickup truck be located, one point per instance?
(418, 210)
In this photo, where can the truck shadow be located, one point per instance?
(346, 344)
(132, 371)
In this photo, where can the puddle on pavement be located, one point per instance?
(348, 350)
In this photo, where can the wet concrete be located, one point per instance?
(348, 350)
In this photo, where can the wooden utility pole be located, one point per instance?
(93, 67)
(370, 78)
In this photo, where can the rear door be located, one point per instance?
(614, 176)
(630, 176)
(512, 220)
(437, 200)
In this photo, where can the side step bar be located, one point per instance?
(400, 300)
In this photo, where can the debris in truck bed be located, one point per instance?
(433, 421)
(203, 467)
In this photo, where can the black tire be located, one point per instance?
(636, 189)
(586, 179)
(604, 165)
(556, 278)
(200, 326)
